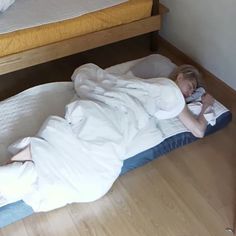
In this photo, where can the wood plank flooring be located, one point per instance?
(188, 192)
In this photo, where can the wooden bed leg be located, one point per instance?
(154, 35)
(154, 41)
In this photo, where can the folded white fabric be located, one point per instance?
(4, 4)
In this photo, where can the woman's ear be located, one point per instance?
(180, 77)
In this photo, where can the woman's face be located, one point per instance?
(187, 86)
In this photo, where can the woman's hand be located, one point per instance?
(207, 100)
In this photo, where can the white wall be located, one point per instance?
(205, 30)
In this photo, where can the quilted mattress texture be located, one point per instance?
(22, 40)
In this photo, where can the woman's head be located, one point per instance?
(188, 79)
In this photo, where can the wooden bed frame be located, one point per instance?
(82, 43)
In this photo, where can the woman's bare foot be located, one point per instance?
(22, 156)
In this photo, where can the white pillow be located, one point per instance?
(4, 4)
(153, 66)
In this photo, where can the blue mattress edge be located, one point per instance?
(172, 143)
(19, 210)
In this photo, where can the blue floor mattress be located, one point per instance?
(19, 210)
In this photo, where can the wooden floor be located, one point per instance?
(189, 192)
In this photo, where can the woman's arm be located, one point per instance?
(197, 125)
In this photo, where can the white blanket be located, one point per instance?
(160, 98)
(30, 13)
(78, 158)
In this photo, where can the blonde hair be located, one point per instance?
(189, 72)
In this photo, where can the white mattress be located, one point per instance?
(30, 13)
(23, 114)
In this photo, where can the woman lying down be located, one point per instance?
(77, 158)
